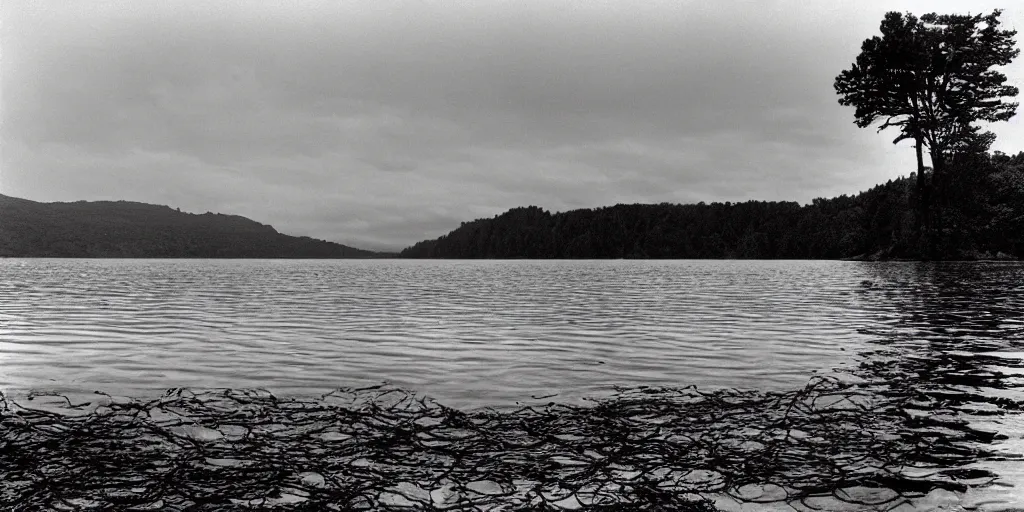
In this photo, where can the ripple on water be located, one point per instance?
(472, 332)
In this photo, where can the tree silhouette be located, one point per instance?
(932, 78)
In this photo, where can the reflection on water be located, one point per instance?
(949, 336)
(957, 346)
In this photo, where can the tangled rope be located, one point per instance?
(382, 448)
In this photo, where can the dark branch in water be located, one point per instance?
(382, 448)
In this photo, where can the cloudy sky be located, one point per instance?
(379, 123)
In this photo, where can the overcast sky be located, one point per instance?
(380, 123)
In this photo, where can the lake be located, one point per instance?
(499, 333)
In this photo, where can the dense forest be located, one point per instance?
(125, 229)
(980, 215)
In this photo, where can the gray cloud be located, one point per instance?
(378, 124)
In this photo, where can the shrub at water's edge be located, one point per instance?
(123, 229)
(981, 212)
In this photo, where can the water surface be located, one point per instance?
(472, 332)
(494, 333)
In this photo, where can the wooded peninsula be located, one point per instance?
(982, 218)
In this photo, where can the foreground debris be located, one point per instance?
(382, 448)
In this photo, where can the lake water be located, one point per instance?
(494, 333)
(467, 332)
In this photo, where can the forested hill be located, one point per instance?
(125, 229)
(981, 217)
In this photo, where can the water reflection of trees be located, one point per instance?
(950, 339)
(949, 328)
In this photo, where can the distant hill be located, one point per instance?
(982, 216)
(123, 229)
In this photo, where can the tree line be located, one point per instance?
(985, 219)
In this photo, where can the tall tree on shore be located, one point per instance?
(932, 78)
